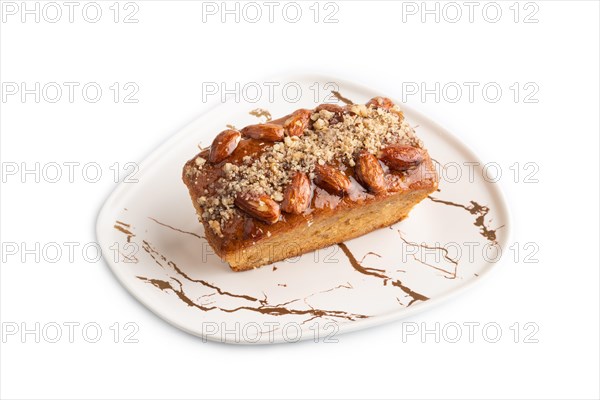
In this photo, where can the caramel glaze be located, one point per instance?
(243, 230)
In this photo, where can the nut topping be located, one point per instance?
(224, 144)
(331, 179)
(258, 177)
(268, 132)
(332, 108)
(261, 207)
(296, 197)
(401, 158)
(298, 121)
(381, 102)
(385, 104)
(369, 172)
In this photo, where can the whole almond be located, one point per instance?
(369, 172)
(296, 197)
(268, 132)
(261, 207)
(331, 179)
(401, 158)
(224, 144)
(297, 122)
(381, 102)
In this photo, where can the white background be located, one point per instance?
(169, 53)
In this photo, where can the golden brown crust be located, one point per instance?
(238, 198)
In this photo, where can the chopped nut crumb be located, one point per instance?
(216, 227)
(200, 162)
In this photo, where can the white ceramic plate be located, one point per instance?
(152, 241)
